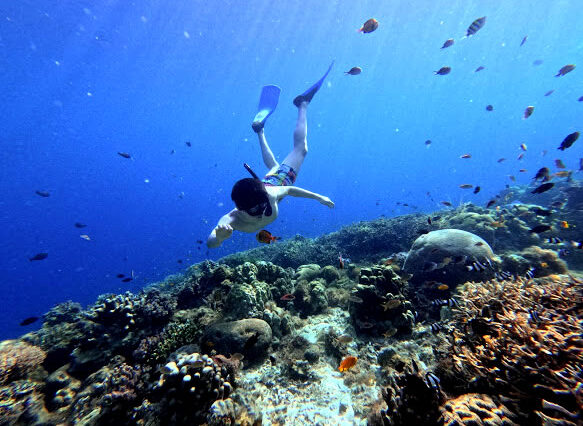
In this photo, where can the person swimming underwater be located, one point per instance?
(256, 200)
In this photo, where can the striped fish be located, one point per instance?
(476, 26)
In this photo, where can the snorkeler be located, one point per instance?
(256, 200)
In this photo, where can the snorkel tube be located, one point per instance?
(250, 170)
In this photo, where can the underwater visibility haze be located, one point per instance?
(125, 126)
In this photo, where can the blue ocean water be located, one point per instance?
(83, 81)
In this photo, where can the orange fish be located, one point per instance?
(369, 26)
(563, 173)
(443, 287)
(564, 224)
(265, 237)
(347, 363)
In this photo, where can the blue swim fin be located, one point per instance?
(309, 94)
(267, 103)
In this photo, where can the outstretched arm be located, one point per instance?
(221, 232)
(294, 191)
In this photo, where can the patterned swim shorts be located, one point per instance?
(283, 176)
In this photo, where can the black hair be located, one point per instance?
(248, 193)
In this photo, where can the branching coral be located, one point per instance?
(522, 340)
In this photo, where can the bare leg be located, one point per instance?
(296, 157)
(266, 153)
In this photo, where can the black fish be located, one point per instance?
(566, 69)
(489, 108)
(543, 174)
(540, 229)
(427, 142)
(568, 141)
(580, 99)
(476, 189)
(80, 225)
(199, 241)
(447, 43)
(429, 220)
(476, 26)
(251, 342)
(549, 93)
(120, 275)
(28, 321)
(126, 280)
(188, 144)
(179, 260)
(490, 203)
(39, 256)
(436, 327)
(523, 40)
(43, 193)
(480, 68)
(542, 212)
(443, 71)
(537, 62)
(543, 188)
(124, 154)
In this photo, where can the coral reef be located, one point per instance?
(476, 409)
(18, 360)
(251, 337)
(522, 340)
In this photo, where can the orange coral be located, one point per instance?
(523, 340)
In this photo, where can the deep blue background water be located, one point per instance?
(84, 80)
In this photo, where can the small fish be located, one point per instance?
(549, 93)
(79, 225)
(126, 280)
(501, 160)
(568, 141)
(28, 321)
(544, 152)
(391, 304)
(564, 70)
(537, 62)
(347, 363)
(446, 203)
(120, 275)
(427, 143)
(480, 68)
(512, 178)
(479, 243)
(365, 325)
(448, 42)
(443, 287)
(43, 193)
(539, 229)
(475, 26)
(543, 174)
(432, 381)
(85, 237)
(542, 212)
(179, 261)
(265, 237)
(580, 99)
(287, 297)
(436, 327)
(199, 241)
(443, 71)
(490, 203)
(543, 188)
(355, 299)
(489, 108)
(466, 156)
(38, 256)
(559, 164)
(353, 71)
(563, 252)
(564, 224)
(528, 111)
(523, 146)
(429, 221)
(577, 244)
(523, 40)
(429, 266)
(533, 316)
(530, 273)
(172, 151)
(124, 154)
(390, 332)
(345, 338)
(369, 26)
(466, 186)
(188, 144)
(522, 170)
(563, 174)
(451, 302)
(544, 265)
